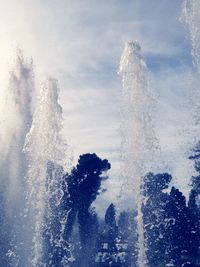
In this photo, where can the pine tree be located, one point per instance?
(128, 235)
(107, 242)
(194, 205)
(110, 223)
(194, 215)
(88, 230)
(179, 230)
(154, 217)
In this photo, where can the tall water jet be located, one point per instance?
(44, 144)
(16, 117)
(191, 18)
(139, 143)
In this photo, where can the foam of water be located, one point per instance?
(139, 144)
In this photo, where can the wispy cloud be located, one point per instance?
(80, 42)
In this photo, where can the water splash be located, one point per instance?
(191, 19)
(44, 144)
(16, 118)
(139, 144)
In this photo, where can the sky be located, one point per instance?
(80, 42)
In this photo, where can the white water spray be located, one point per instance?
(16, 118)
(139, 144)
(44, 144)
(191, 18)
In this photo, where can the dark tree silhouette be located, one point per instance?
(180, 237)
(128, 234)
(170, 231)
(84, 184)
(154, 217)
(69, 197)
(110, 223)
(117, 242)
(194, 205)
(83, 187)
(194, 216)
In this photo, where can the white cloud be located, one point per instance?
(80, 42)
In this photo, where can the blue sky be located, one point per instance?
(80, 43)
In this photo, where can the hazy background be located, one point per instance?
(80, 43)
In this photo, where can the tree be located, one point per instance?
(180, 237)
(194, 204)
(154, 217)
(194, 215)
(110, 223)
(88, 231)
(84, 184)
(128, 234)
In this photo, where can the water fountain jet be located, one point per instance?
(139, 144)
(44, 144)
